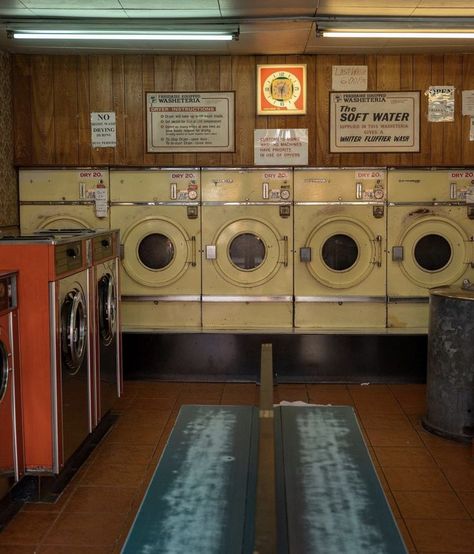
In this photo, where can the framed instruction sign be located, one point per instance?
(190, 121)
(374, 121)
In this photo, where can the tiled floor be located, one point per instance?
(428, 480)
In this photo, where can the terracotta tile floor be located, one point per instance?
(429, 481)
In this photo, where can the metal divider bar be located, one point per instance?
(265, 518)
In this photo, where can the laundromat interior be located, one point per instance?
(236, 277)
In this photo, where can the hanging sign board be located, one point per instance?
(190, 121)
(440, 104)
(281, 146)
(374, 121)
(103, 130)
(349, 77)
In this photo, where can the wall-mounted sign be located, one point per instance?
(281, 89)
(440, 104)
(349, 77)
(281, 146)
(468, 102)
(103, 129)
(374, 121)
(190, 121)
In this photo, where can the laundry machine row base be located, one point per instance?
(314, 315)
(247, 315)
(304, 357)
(156, 314)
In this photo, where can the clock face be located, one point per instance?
(281, 89)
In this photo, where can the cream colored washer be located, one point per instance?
(247, 248)
(430, 239)
(157, 212)
(63, 199)
(340, 238)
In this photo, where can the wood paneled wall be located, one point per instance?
(54, 95)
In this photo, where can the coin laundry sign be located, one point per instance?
(375, 122)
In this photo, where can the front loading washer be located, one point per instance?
(340, 240)
(247, 237)
(63, 198)
(108, 380)
(158, 214)
(11, 433)
(430, 239)
(54, 337)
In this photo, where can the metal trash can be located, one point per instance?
(450, 375)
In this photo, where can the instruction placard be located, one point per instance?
(374, 121)
(190, 121)
(281, 146)
(103, 129)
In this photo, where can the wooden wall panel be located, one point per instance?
(65, 110)
(53, 97)
(42, 100)
(22, 110)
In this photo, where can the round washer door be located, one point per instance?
(435, 252)
(344, 252)
(3, 370)
(249, 252)
(107, 308)
(73, 330)
(157, 251)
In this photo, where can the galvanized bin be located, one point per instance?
(450, 375)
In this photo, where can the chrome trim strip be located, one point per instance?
(14, 369)
(160, 203)
(90, 325)
(57, 203)
(408, 299)
(343, 203)
(377, 299)
(164, 298)
(54, 376)
(247, 169)
(392, 204)
(247, 299)
(118, 342)
(248, 203)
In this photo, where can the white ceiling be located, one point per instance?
(266, 26)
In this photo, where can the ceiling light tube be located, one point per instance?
(398, 34)
(73, 35)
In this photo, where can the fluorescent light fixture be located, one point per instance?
(148, 36)
(395, 27)
(397, 34)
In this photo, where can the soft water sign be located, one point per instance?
(103, 129)
(374, 121)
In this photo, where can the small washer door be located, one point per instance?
(249, 252)
(344, 252)
(4, 370)
(157, 251)
(435, 252)
(73, 330)
(107, 308)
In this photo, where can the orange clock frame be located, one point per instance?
(281, 89)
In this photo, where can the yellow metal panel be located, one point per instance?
(160, 315)
(342, 315)
(60, 217)
(407, 315)
(247, 315)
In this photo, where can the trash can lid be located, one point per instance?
(457, 293)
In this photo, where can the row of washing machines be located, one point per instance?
(267, 248)
(60, 346)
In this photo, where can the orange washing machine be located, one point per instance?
(108, 380)
(54, 344)
(11, 438)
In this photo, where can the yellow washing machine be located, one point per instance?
(340, 241)
(430, 239)
(157, 212)
(63, 198)
(247, 239)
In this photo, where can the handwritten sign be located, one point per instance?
(374, 121)
(349, 77)
(190, 121)
(281, 146)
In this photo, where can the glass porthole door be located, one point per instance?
(73, 330)
(107, 308)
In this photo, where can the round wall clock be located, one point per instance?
(281, 89)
